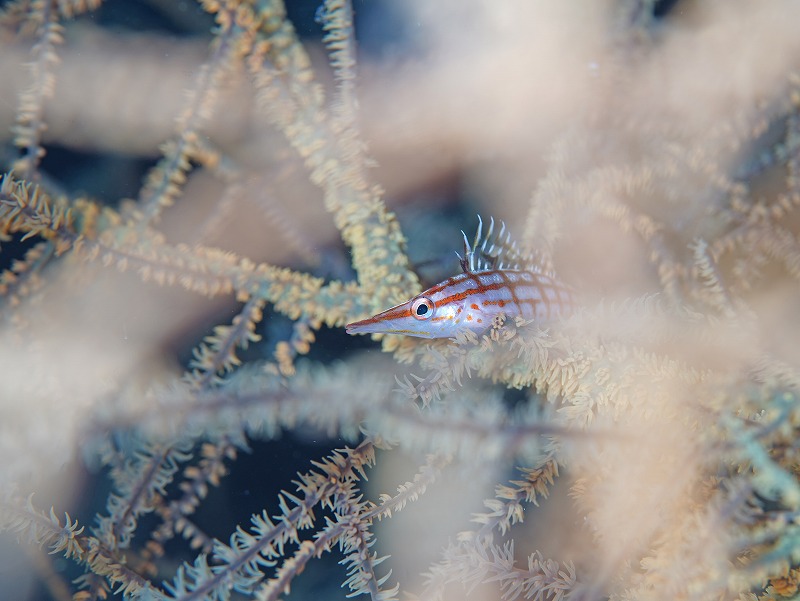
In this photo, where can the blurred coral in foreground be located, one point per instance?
(177, 383)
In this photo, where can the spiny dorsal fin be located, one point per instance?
(495, 250)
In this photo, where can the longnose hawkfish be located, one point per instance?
(496, 279)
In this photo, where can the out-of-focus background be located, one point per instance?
(467, 107)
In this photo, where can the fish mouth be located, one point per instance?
(354, 328)
(363, 327)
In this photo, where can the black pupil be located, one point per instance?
(422, 309)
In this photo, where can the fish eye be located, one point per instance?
(422, 308)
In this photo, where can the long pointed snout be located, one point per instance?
(365, 326)
(370, 326)
(397, 320)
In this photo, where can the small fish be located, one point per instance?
(496, 279)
